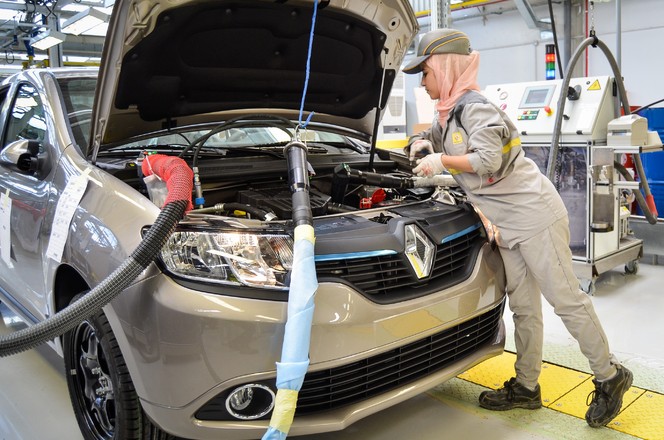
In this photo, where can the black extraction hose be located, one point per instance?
(69, 317)
(344, 175)
(553, 153)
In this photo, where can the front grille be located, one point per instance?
(390, 278)
(328, 389)
(336, 387)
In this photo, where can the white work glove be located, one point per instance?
(419, 148)
(430, 165)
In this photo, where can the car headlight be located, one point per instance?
(236, 258)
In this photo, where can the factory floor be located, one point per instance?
(34, 403)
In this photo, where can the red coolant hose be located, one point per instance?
(178, 176)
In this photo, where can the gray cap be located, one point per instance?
(438, 41)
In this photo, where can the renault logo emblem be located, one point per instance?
(419, 250)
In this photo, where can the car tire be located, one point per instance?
(101, 390)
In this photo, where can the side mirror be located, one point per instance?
(23, 156)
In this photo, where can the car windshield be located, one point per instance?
(261, 135)
(236, 137)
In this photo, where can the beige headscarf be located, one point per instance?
(456, 74)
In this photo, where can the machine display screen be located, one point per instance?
(537, 96)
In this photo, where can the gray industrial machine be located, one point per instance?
(591, 138)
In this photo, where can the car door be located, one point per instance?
(21, 273)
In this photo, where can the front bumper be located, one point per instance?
(184, 348)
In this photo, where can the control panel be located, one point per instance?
(532, 106)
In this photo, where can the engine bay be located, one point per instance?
(241, 187)
(241, 169)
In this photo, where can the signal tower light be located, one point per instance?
(550, 61)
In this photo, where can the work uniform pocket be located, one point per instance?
(456, 142)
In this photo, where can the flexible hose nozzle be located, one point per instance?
(437, 180)
(298, 179)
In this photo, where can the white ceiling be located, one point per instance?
(22, 19)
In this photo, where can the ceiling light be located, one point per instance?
(84, 21)
(47, 39)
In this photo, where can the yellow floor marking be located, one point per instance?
(575, 402)
(556, 381)
(566, 390)
(643, 418)
(493, 372)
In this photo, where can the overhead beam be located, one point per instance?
(529, 16)
(21, 6)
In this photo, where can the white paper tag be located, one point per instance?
(64, 212)
(5, 228)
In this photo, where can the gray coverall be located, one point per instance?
(533, 226)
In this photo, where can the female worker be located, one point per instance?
(480, 147)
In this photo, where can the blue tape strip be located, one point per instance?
(461, 233)
(354, 255)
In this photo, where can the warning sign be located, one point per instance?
(595, 86)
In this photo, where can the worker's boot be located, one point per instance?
(607, 397)
(512, 395)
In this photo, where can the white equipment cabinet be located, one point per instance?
(591, 188)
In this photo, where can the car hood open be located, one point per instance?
(171, 63)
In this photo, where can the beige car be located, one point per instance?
(410, 290)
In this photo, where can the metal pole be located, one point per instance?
(441, 14)
(433, 19)
(567, 31)
(618, 32)
(54, 52)
(446, 16)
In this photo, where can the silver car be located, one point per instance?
(410, 289)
